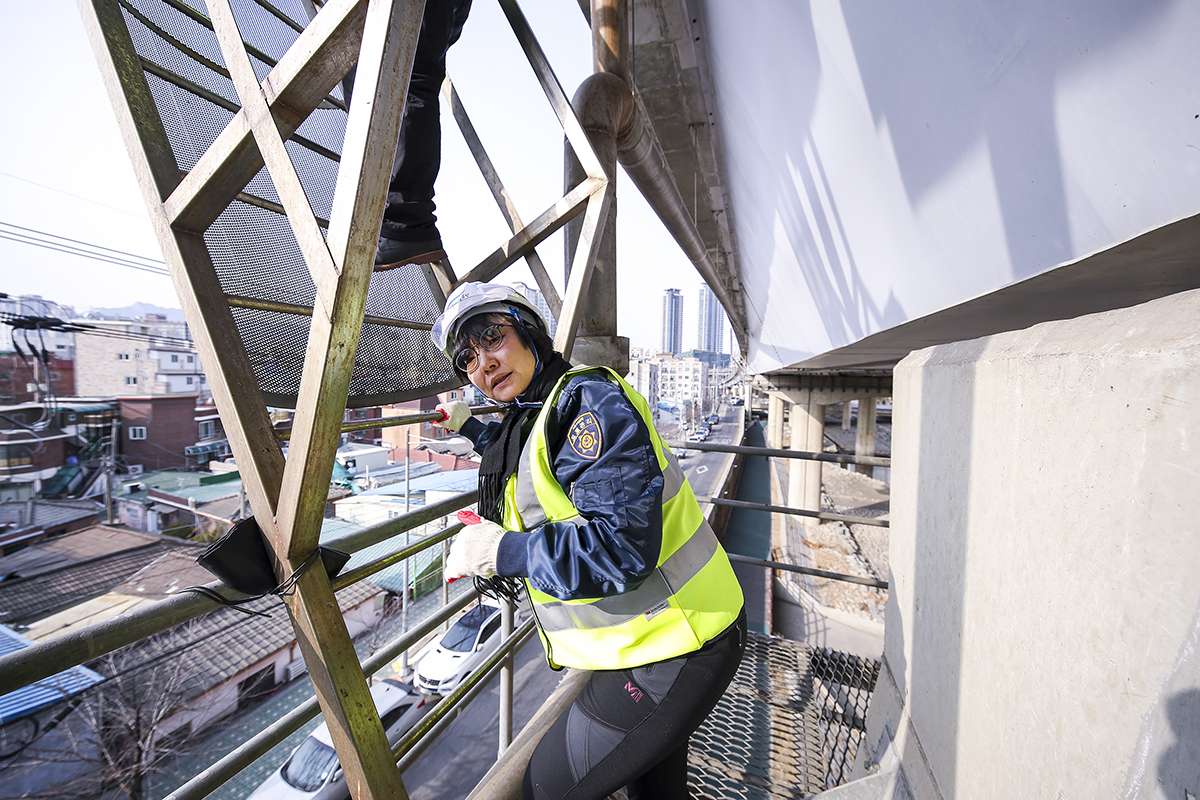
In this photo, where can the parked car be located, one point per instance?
(443, 664)
(312, 771)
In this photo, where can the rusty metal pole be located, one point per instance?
(640, 153)
(604, 104)
(610, 37)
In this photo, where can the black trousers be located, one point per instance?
(631, 727)
(408, 215)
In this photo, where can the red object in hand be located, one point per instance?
(466, 518)
(445, 415)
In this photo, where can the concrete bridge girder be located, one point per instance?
(808, 396)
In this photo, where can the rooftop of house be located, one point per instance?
(43, 578)
(228, 509)
(458, 445)
(394, 475)
(360, 447)
(459, 480)
(202, 487)
(221, 643)
(47, 513)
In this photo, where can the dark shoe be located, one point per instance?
(391, 252)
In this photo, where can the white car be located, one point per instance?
(312, 771)
(443, 664)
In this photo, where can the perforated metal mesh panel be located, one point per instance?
(253, 248)
(843, 684)
(788, 726)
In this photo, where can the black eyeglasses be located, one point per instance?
(491, 338)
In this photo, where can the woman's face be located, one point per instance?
(505, 372)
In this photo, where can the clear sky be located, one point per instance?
(64, 170)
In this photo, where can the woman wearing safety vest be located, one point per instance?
(581, 499)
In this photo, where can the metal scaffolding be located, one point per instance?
(265, 184)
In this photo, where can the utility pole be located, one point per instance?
(110, 471)
(407, 561)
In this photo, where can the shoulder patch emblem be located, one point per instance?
(584, 436)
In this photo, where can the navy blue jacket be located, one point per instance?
(616, 489)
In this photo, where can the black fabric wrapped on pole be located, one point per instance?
(240, 560)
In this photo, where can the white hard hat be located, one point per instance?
(472, 298)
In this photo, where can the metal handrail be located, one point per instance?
(820, 573)
(44, 659)
(434, 723)
(258, 745)
(836, 458)
(285, 432)
(799, 512)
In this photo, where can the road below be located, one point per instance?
(703, 469)
(461, 756)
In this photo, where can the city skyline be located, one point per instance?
(710, 324)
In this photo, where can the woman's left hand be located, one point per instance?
(474, 551)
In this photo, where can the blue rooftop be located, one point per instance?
(459, 480)
(390, 578)
(45, 693)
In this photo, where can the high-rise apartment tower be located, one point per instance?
(535, 296)
(672, 321)
(710, 331)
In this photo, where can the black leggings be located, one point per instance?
(630, 727)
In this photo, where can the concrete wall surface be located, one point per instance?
(1043, 625)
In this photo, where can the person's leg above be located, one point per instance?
(409, 231)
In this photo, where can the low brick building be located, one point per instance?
(156, 430)
(23, 380)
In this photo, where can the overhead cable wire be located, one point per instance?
(74, 251)
(25, 322)
(144, 338)
(126, 211)
(42, 357)
(63, 244)
(26, 231)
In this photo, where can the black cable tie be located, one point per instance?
(212, 594)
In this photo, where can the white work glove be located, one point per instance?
(457, 413)
(474, 551)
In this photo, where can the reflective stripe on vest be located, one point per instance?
(683, 565)
(691, 596)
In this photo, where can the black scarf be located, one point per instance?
(503, 452)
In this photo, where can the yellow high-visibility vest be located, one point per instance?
(691, 596)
